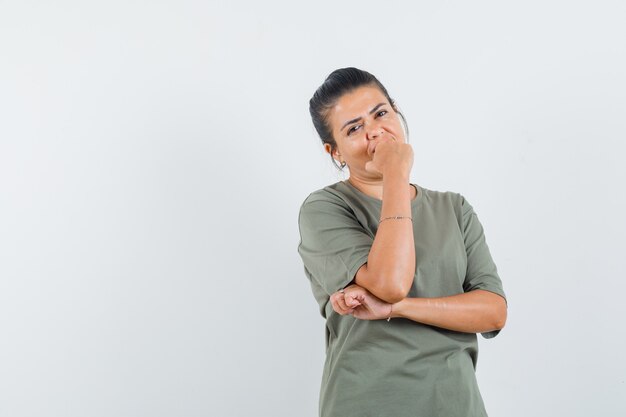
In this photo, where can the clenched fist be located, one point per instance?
(361, 303)
(388, 153)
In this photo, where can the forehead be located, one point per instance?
(355, 104)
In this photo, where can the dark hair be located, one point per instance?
(338, 83)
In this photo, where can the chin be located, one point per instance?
(375, 175)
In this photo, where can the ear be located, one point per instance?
(328, 149)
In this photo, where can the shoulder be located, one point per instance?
(331, 196)
(324, 205)
(438, 198)
(328, 217)
(448, 204)
(328, 193)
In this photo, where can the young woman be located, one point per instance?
(402, 274)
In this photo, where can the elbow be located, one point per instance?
(399, 286)
(394, 294)
(499, 323)
(500, 315)
(388, 293)
(387, 285)
(395, 297)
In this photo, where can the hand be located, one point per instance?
(388, 153)
(361, 303)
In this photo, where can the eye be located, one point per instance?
(350, 130)
(382, 111)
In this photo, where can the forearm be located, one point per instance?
(392, 256)
(476, 311)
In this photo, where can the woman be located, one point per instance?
(403, 274)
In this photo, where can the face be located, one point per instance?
(359, 120)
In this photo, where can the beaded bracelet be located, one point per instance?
(395, 218)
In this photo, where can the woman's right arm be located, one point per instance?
(390, 267)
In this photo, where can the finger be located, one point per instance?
(341, 300)
(352, 301)
(361, 297)
(338, 303)
(385, 140)
(335, 303)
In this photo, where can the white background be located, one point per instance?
(154, 155)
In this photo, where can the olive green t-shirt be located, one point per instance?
(398, 368)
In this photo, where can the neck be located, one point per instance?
(374, 187)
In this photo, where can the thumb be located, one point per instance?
(352, 300)
(369, 166)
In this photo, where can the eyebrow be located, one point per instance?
(359, 118)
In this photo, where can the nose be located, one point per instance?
(374, 133)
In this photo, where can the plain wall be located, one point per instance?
(154, 155)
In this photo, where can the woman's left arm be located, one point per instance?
(476, 311)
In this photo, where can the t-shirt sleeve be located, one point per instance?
(482, 272)
(333, 244)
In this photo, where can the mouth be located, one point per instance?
(373, 149)
(376, 144)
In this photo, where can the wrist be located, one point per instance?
(396, 309)
(396, 172)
